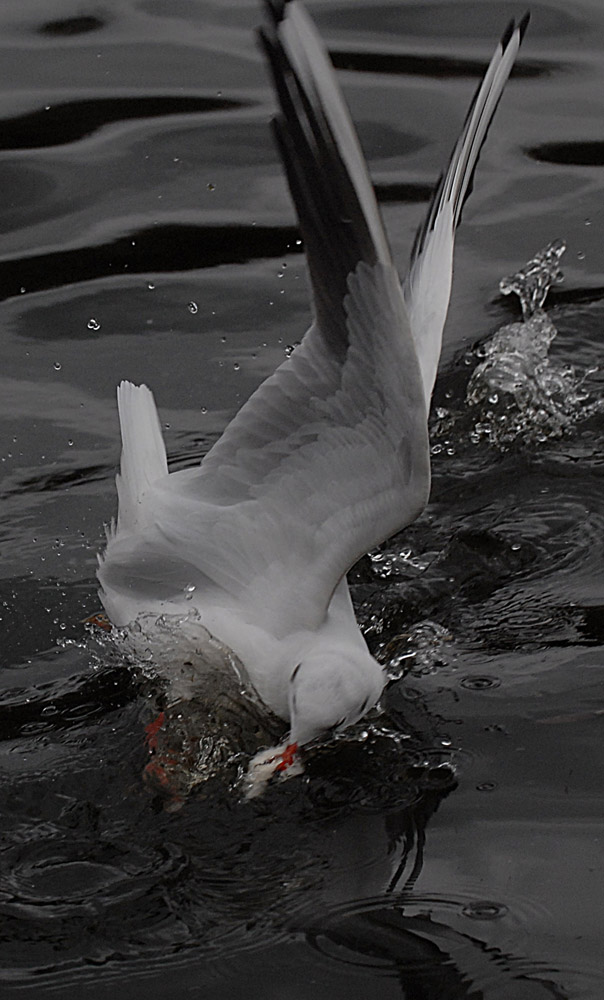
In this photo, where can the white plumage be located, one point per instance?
(330, 455)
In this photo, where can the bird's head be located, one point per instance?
(329, 689)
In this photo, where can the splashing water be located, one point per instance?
(517, 392)
(532, 282)
(207, 720)
(420, 651)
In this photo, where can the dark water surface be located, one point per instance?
(147, 234)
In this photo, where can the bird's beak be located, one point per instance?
(282, 761)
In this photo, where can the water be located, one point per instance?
(453, 848)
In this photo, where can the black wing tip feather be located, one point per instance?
(275, 10)
(521, 27)
(523, 24)
(508, 34)
(430, 218)
(333, 223)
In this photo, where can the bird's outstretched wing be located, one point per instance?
(330, 455)
(428, 284)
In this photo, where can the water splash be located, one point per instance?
(533, 281)
(420, 651)
(387, 562)
(206, 719)
(517, 392)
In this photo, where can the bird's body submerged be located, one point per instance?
(330, 456)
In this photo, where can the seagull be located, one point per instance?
(330, 455)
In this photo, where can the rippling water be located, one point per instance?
(454, 848)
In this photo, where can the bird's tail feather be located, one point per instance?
(143, 452)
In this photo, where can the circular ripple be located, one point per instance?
(417, 938)
(60, 878)
(483, 909)
(479, 682)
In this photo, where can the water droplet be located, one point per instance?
(193, 308)
(204, 409)
(581, 255)
(298, 243)
(57, 366)
(93, 324)
(289, 350)
(211, 187)
(236, 366)
(189, 591)
(22, 290)
(70, 443)
(150, 286)
(588, 222)
(483, 909)
(486, 786)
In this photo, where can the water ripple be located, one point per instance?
(144, 251)
(68, 27)
(63, 123)
(576, 154)
(434, 66)
(441, 945)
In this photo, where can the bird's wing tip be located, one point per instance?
(275, 10)
(523, 24)
(513, 27)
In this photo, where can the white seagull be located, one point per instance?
(330, 456)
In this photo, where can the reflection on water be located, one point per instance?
(448, 849)
(61, 124)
